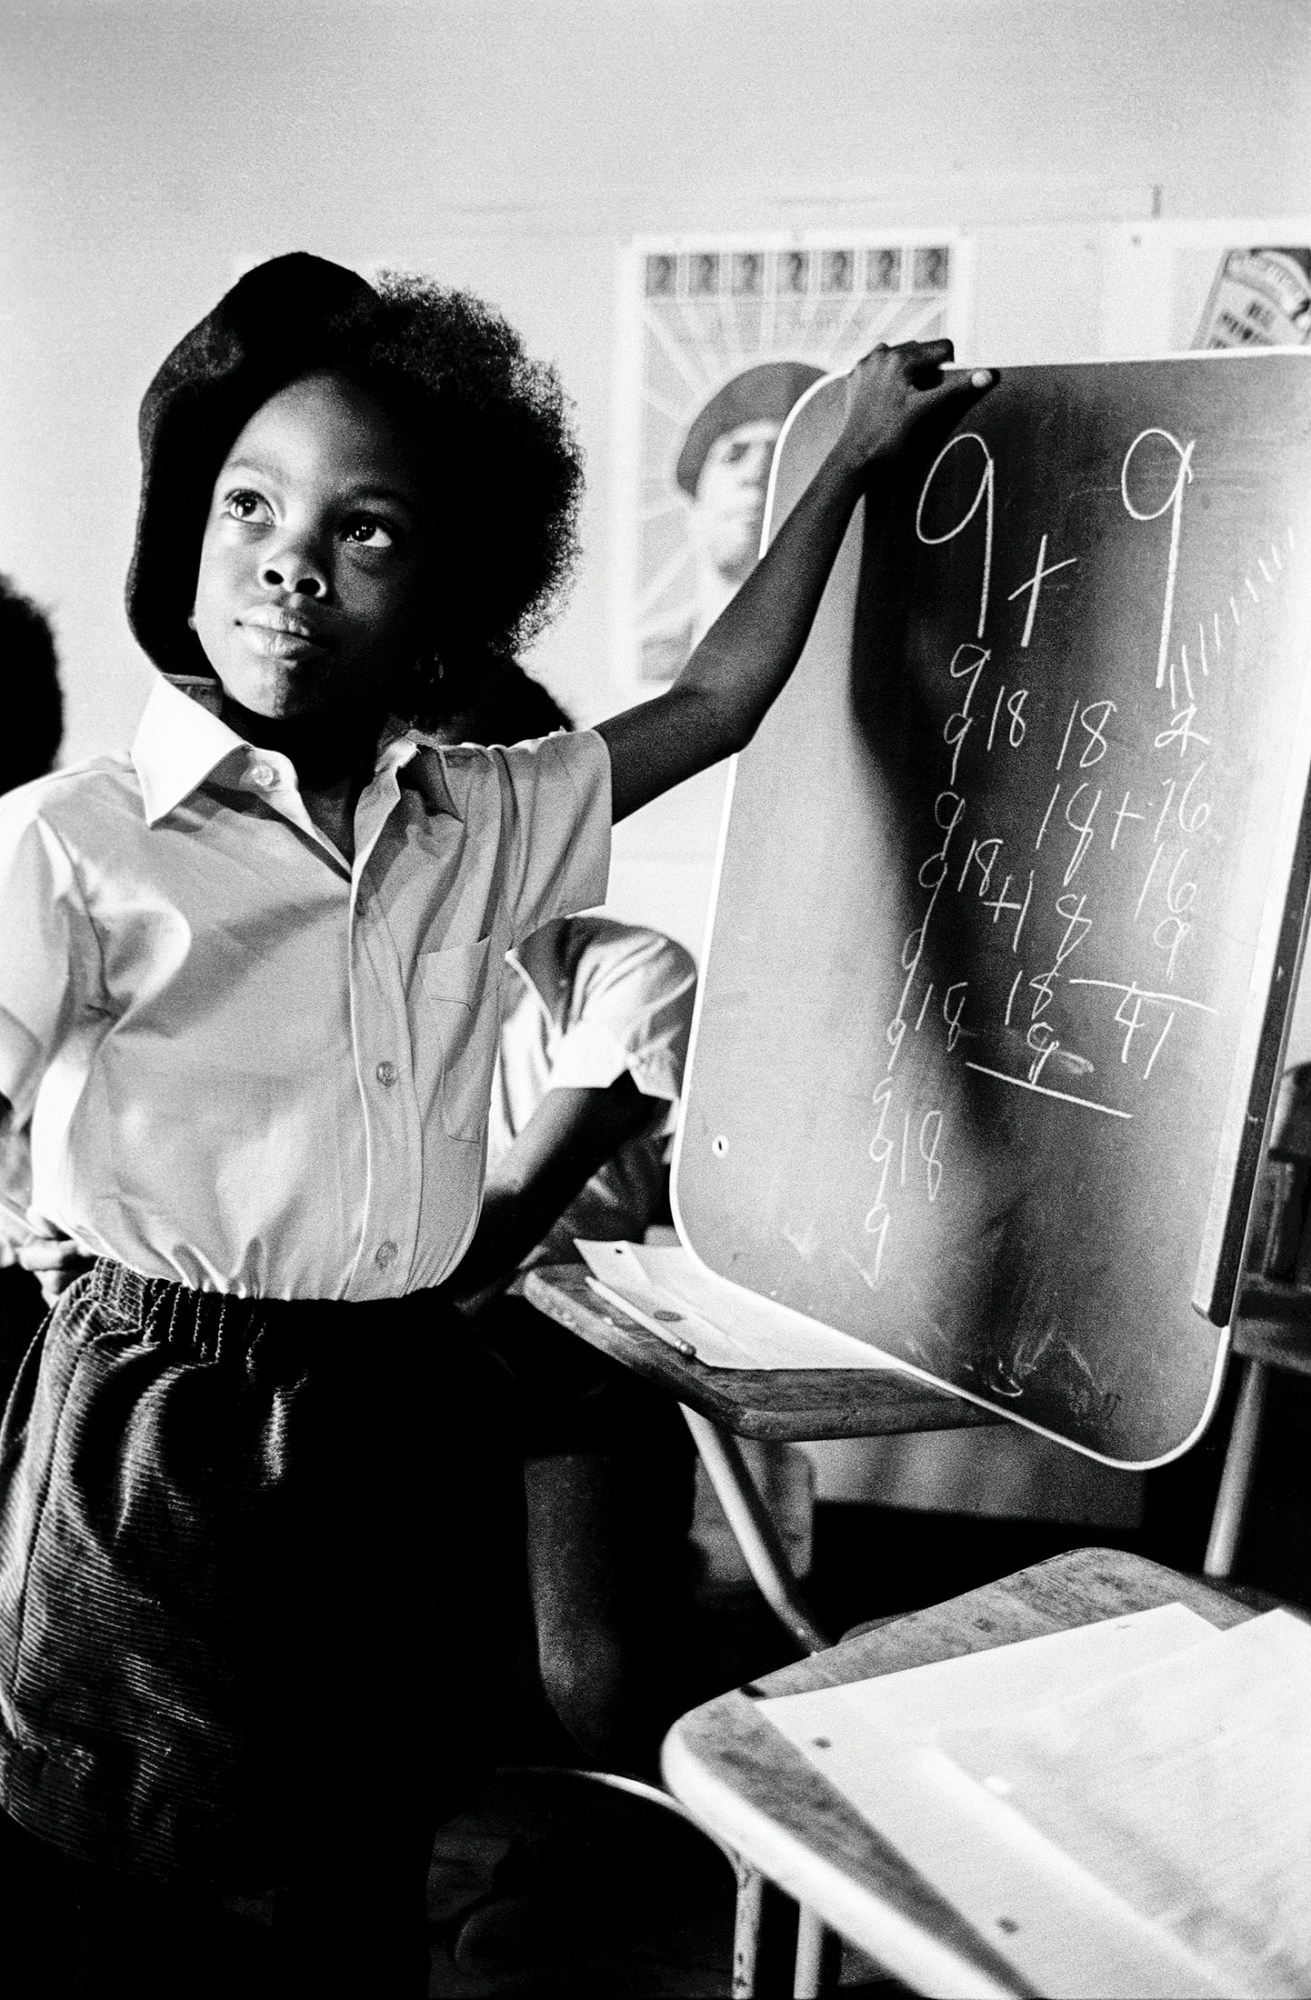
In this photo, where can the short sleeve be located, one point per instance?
(559, 814)
(629, 1009)
(45, 933)
(15, 1190)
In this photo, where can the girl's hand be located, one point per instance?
(892, 389)
(55, 1261)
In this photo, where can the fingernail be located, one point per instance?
(981, 378)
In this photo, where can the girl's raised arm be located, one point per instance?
(722, 694)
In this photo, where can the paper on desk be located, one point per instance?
(669, 1292)
(1187, 1793)
(873, 1739)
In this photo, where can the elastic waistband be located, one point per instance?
(168, 1312)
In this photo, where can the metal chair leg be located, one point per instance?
(757, 1536)
(1236, 1479)
(819, 1959)
(764, 1938)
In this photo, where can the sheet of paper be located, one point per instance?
(1187, 1793)
(873, 1741)
(668, 1291)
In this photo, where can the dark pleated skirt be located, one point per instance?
(260, 1564)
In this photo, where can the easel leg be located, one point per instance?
(764, 1939)
(1236, 1480)
(819, 1959)
(757, 1537)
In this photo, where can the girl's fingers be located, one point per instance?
(962, 385)
(47, 1253)
(930, 353)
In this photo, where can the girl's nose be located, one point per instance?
(295, 568)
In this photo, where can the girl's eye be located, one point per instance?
(243, 505)
(366, 531)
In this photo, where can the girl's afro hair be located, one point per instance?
(490, 424)
(493, 425)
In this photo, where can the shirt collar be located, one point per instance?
(181, 741)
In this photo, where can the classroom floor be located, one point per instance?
(600, 1894)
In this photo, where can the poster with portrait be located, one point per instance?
(723, 337)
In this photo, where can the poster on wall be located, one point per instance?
(1170, 286)
(721, 338)
(1260, 298)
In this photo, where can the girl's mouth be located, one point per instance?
(281, 645)
(280, 635)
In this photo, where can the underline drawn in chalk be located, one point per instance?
(1128, 986)
(1045, 1090)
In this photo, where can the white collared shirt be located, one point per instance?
(592, 999)
(249, 1066)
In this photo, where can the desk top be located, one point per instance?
(793, 1404)
(747, 1783)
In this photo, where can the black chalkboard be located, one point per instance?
(1011, 897)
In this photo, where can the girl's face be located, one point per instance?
(320, 527)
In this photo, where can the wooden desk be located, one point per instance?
(742, 1780)
(799, 1405)
(793, 1405)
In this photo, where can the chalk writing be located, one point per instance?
(983, 496)
(1034, 584)
(1112, 860)
(1174, 501)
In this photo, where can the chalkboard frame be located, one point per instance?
(1263, 1042)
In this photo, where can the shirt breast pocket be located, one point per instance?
(462, 1016)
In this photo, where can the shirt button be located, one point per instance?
(385, 1254)
(386, 1073)
(263, 775)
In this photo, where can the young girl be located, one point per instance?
(256, 1501)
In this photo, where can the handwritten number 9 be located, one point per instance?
(1174, 501)
(983, 497)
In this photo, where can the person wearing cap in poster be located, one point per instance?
(723, 471)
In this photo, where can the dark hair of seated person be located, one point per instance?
(29, 741)
(505, 705)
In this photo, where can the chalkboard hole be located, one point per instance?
(719, 1146)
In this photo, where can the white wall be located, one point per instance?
(152, 149)
(149, 150)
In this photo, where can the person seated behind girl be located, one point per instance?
(257, 1510)
(595, 1023)
(28, 748)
